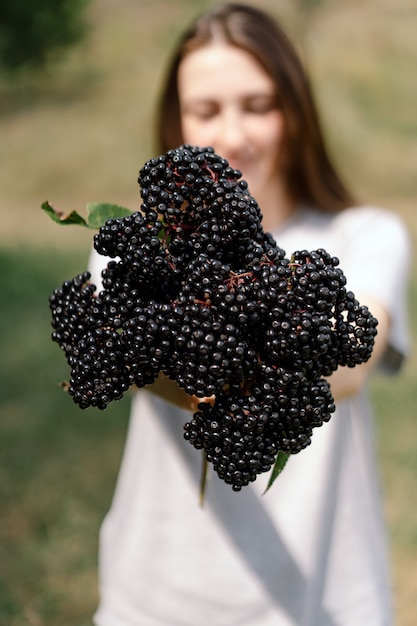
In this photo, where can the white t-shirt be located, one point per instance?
(312, 550)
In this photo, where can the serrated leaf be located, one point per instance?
(280, 462)
(62, 218)
(99, 212)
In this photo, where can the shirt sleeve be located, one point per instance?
(376, 261)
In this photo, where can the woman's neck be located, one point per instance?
(276, 205)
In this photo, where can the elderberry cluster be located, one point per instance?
(196, 289)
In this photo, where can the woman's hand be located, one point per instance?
(168, 389)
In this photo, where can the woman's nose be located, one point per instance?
(231, 132)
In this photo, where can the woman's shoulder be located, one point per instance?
(362, 227)
(354, 215)
(370, 215)
(358, 218)
(373, 223)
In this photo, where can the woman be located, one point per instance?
(312, 550)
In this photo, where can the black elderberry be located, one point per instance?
(195, 288)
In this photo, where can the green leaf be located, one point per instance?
(60, 217)
(280, 462)
(99, 212)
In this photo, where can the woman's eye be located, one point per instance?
(203, 112)
(261, 106)
(206, 115)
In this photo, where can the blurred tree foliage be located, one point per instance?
(31, 32)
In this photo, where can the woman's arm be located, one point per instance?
(345, 381)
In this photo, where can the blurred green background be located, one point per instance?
(78, 132)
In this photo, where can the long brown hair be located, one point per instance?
(311, 176)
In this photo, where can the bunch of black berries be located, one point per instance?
(196, 289)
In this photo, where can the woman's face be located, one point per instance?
(228, 101)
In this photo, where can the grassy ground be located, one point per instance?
(80, 134)
(57, 463)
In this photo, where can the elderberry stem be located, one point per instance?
(203, 478)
